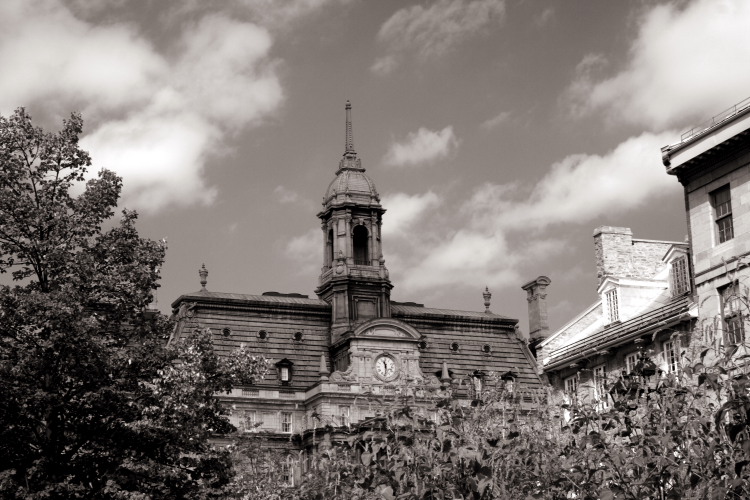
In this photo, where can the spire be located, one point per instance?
(350, 159)
(487, 296)
(349, 138)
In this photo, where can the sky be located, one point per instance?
(499, 133)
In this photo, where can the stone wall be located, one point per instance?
(619, 255)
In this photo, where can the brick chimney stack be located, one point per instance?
(536, 291)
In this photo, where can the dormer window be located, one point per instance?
(679, 277)
(612, 305)
(284, 368)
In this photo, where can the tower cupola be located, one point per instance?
(354, 278)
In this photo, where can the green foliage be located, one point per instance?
(661, 437)
(92, 402)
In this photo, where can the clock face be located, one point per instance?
(385, 367)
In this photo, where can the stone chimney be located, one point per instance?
(536, 291)
(613, 249)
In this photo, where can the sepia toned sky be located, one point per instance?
(499, 133)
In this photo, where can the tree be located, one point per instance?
(92, 402)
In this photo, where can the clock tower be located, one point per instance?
(354, 279)
(366, 343)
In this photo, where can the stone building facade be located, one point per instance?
(644, 311)
(712, 162)
(336, 355)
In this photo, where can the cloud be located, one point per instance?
(156, 116)
(384, 65)
(273, 14)
(685, 64)
(504, 227)
(405, 210)
(544, 17)
(224, 73)
(579, 188)
(58, 61)
(306, 252)
(285, 195)
(496, 120)
(160, 156)
(432, 30)
(421, 147)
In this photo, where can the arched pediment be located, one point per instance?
(387, 328)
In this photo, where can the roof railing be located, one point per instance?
(715, 120)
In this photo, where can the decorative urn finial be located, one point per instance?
(203, 273)
(487, 296)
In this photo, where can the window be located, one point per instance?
(250, 417)
(600, 386)
(287, 477)
(672, 355)
(284, 369)
(679, 275)
(613, 313)
(571, 385)
(454, 346)
(344, 415)
(630, 361)
(286, 422)
(721, 199)
(731, 307)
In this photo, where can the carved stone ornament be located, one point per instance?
(384, 332)
(186, 311)
(345, 376)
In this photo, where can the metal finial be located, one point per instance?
(203, 273)
(487, 296)
(349, 137)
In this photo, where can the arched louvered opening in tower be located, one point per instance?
(360, 246)
(329, 248)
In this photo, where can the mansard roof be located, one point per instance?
(486, 342)
(416, 310)
(240, 298)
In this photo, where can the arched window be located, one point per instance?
(361, 247)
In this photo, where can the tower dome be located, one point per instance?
(351, 184)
